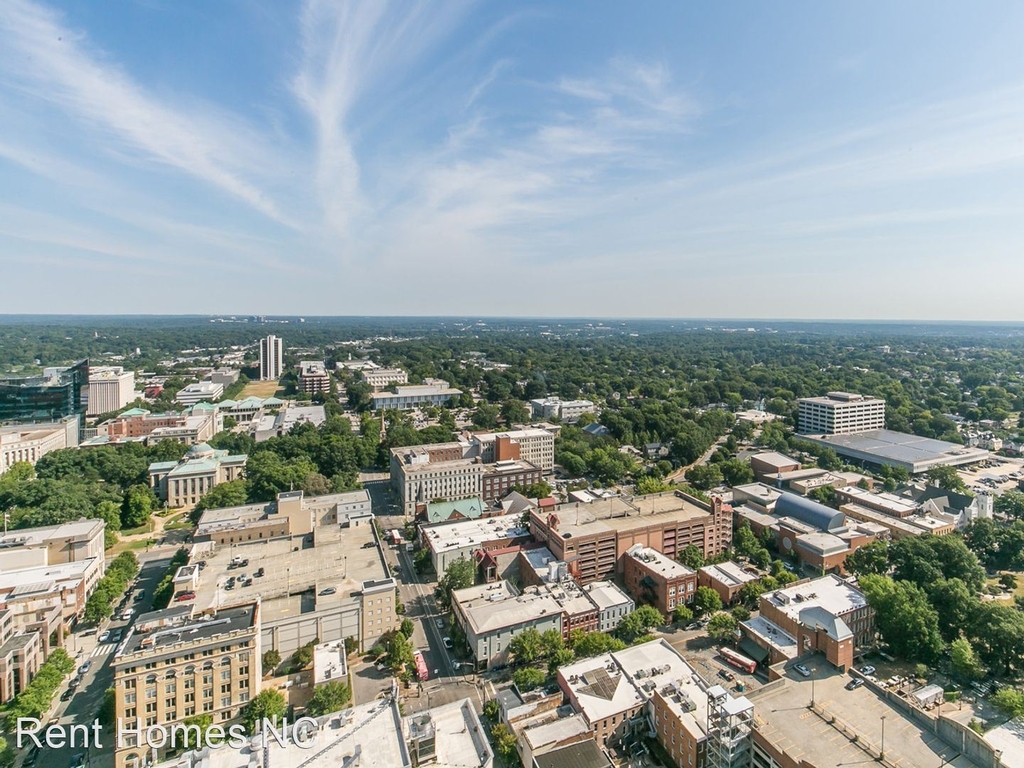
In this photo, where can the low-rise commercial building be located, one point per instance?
(827, 615)
(568, 411)
(448, 542)
(651, 688)
(768, 465)
(727, 579)
(593, 538)
(613, 605)
(435, 392)
(657, 580)
(175, 664)
(182, 483)
(30, 442)
(285, 420)
(21, 655)
(198, 392)
(382, 378)
(190, 427)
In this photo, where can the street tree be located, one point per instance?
(722, 627)
(706, 600)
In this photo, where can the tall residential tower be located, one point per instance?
(271, 358)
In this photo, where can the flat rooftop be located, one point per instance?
(775, 459)
(772, 635)
(783, 718)
(337, 559)
(860, 512)
(884, 502)
(35, 536)
(622, 513)
(606, 595)
(39, 575)
(655, 561)
(368, 735)
(830, 593)
(729, 573)
(489, 607)
(459, 735)
(189, 629)
(444, 537)
(913, 453)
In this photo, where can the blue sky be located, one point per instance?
(806, 159)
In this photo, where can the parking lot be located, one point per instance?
(990, 478)
(858, 718)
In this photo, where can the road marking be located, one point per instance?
(102, 650)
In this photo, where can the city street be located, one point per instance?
(84, 706)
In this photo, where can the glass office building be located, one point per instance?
(55, 395)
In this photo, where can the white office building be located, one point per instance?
(271, 358)
(30, 442)
(111, 388)
(841, 413)
(198, 392)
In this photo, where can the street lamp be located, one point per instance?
(882, 756)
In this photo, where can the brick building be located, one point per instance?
(657, 580)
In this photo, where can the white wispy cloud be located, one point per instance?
(55, 64)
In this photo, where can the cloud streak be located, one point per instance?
(54, 63)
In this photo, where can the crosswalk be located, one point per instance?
(103, 650)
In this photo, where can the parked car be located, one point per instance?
(66, 696)
(140, 595)
(116, 635)
(439, 623)
(183, 596)
(867, 669)
(369, 545)
(32, 757)
(78, 761)
(127, 614)
(105, 637)
(327, 591)
(448, 643)
(802, 670)
(726, 674)
(84, 668)
(857, 682)
(259, 573)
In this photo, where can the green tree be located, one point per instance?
(639, 623)
(829, 459)
(965, 662)
(528, 678)
(559, 659)
(329, 697)
(525, 647)
(691, 557)
(267, 705)
(706, 600)
(722, 627)
(955, 604)
(1011, 504)
(585, 645)
(904, 617)
(682, 614)
(650, 484)
(1008, 581)
(232, 494)
(407, 627)
(398, 652)
(514, 412)
(138, 506)
(871, 558)
(504, 742)
(703, 477)
(459, 574)
(551, 642)
(1009, 701)
(736, 472)
(271, 659)
(947, 478)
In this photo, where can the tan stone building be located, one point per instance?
(175, 664)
